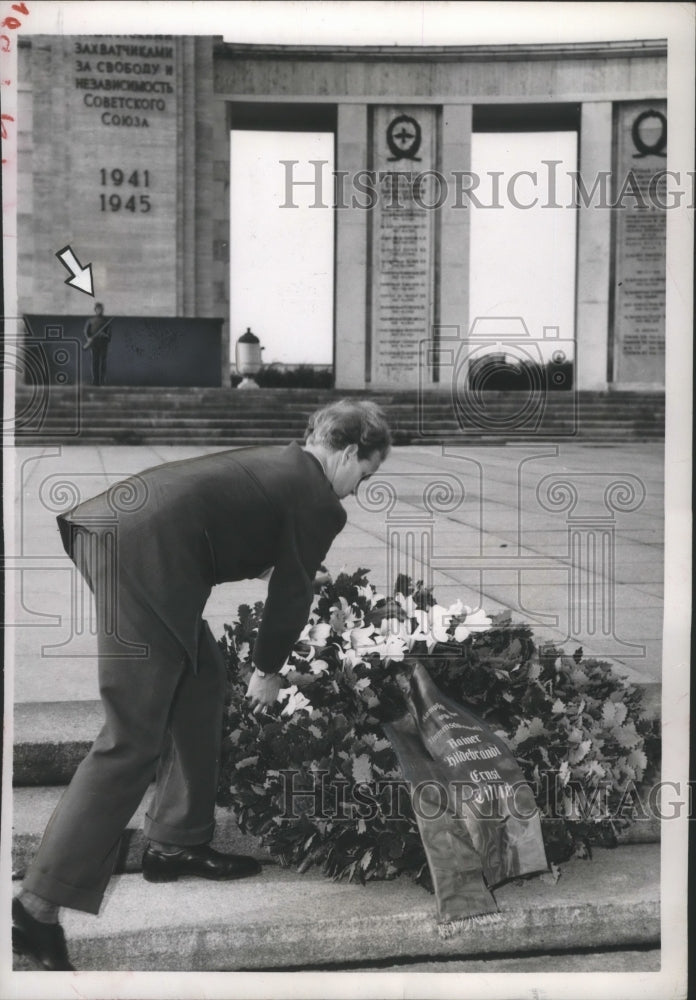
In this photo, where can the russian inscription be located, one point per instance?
(640, 244)
(402, 242)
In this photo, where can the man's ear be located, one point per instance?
(349, 452)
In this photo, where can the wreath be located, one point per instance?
(315, 778)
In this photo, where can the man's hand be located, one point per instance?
(263, 690)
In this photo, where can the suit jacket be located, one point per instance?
(182, 527)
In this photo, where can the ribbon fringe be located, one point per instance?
(449, 928)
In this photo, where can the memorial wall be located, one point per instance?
(123, 150)
(104, 168)
(402, 241)
(115, 143)
(639, 251)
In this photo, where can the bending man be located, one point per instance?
(151, 549)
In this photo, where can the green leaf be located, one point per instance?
(537, 728)
(362, 769)
(638, 760)
(247, 762)
(613, 713)
(534, 671)
(580, 752)
(626, 736)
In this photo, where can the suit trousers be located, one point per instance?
(163, 719)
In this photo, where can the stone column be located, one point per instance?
(351, 252)
(220, 304)
(455, 225)
(594, 248)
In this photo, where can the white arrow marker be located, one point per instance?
(80, 277)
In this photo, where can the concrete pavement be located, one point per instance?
(567, 536)
(282, 920)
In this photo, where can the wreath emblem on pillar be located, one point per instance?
(404, 138)
(657, 148)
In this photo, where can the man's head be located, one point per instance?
(99, 308)
(352, 439)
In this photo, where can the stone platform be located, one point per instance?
(284, 921)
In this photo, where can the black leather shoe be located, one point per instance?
(45, 943)
(202, 861)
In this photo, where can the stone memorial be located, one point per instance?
(123, 153)
(402, 241)
(639, 244)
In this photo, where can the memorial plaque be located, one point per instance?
(639, 243)
(104, 165)
(403, 245)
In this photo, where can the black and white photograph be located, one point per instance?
(347, 464)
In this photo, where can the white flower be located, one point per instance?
(361, 638)
(440, 620)
(458, 609)
(432, 625)
(475, 621)
(319, 667)
(393, 648)
(367, 593)
(316, 635)
(407, 604)
(344, 616)
(478, 621)
(351, 657)
(296, 700)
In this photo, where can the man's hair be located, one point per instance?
(347, 422)
(98, 305)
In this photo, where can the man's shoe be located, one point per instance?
(202, 861)
(45, 943)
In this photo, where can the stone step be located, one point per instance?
(281, 920)
(430, 391)
(32, 809)
(279, 400)
(224, 416)
(281, 417)
(286, 401)
(605, 960)
(410, 417)
(51, 738)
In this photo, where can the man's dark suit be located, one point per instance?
(151, 549)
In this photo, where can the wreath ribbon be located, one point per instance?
(476, 814)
